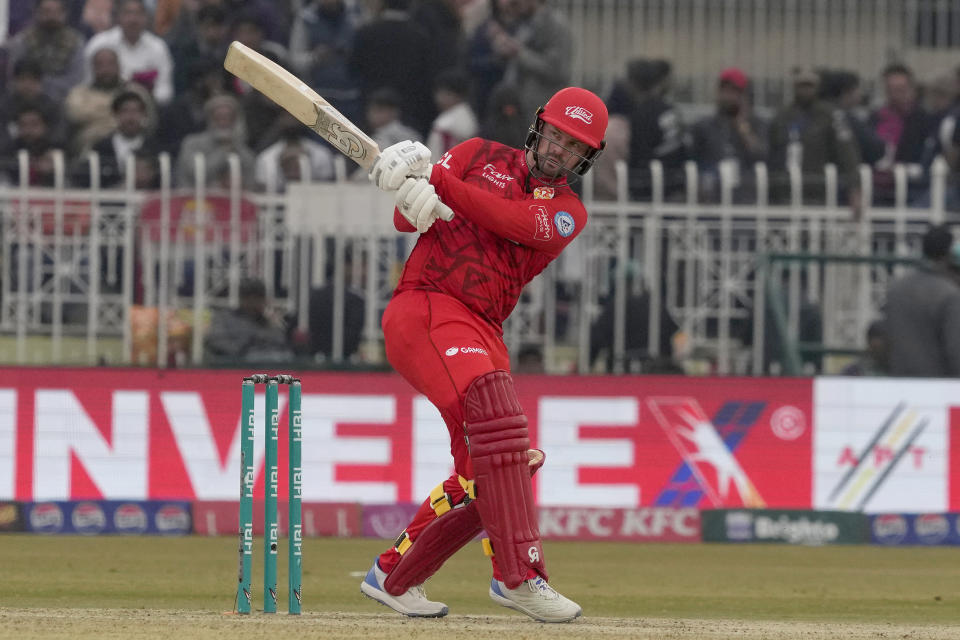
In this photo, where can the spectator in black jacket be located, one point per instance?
(905, 126)
(656, 128)
(393, 51)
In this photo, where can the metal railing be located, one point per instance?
(85, 272)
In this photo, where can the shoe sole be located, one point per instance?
(510, 604)
(376, 596)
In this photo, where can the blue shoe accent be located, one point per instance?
(495, 587)
(371, 578)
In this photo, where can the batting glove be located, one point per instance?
(418, 202)
(398, 162)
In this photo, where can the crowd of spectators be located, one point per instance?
(137, 77)
(830, 120)
(134, 78)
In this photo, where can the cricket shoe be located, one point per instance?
(537, 599)
(413, 603)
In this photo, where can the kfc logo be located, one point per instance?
(579, 113)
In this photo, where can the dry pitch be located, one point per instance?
(178, 589)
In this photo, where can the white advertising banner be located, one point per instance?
(883, 445)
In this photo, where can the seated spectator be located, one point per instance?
(87, 108)
(321, 42)
(874, 361)
(211, 44)
(732, 140)
(322, 309)
(384, 125)
(27, 90)
(505, 122)
(144, 57)
(806, 133)
(280, 163)
(922, 312)
(96, 16)
(130, 111)
(246, 29)
(57, 47)
(224, 135)
(637, 356)
(146, 167)
(529, 360)
(456, 121)
(905, 126)
(246, 334)
(185, 115)
(34, 135)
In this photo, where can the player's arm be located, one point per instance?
(544, 225)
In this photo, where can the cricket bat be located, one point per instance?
(307, 106)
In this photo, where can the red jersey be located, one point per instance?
(507, 229)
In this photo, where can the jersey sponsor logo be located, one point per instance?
(541, 216)
(445, 160)
(564, 223)
(579, 113)
(543, 193)
(496, 176)
(452, 351)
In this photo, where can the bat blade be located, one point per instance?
(302, 102)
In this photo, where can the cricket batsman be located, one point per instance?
(514, 212)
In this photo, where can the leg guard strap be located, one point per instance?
(441, 539)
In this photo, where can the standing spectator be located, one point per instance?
(224, 135)
(52, 43)
(809, 133)
(441, 20)
(904, 125)
(320, 45)
(247, 334)
(843, 91)
(280, 163)
(533, 40)
(656, 128)
(392, 51)
(211, 43)
(733, 138)
(923, 313)
(456, 122)
(144, 57)
(130, 111)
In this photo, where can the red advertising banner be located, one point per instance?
(626, 442)
(648, 524)
(319, 519)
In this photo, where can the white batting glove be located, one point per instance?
(399, 162)
(418, 202)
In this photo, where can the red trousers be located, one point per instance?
(440, 347)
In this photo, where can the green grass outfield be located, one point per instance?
(178, 588)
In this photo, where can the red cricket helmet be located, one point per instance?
(578, 113)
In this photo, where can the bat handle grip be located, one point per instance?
(444, 212)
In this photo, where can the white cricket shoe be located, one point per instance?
(413, 603)
(537, 599)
